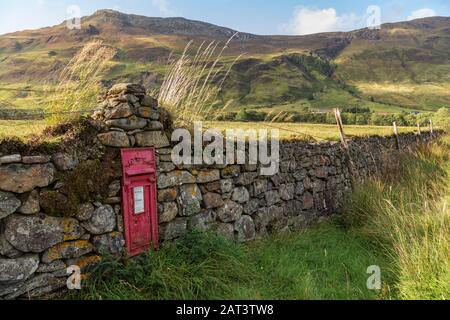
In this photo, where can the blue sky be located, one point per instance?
(256, 16)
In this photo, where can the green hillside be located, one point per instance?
(402, 67)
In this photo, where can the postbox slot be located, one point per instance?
(140, 171)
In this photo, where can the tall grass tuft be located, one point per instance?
(198, 266)
(78, 84)
(192, 83)
(407, 213)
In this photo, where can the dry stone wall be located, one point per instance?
(64, 208)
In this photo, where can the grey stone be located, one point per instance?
(85, 211)
(36, 159)
(287, 191)
(231, 211)
(240, 195)
(112, 243)
(148, 101)
(67, 250)
(20, 178)
(114, 139)
(189, 199)
(6, 249)
(30, 203)
(206, 176)
(103, 220)
(272, 197)
(202, 221)
(232, 171)
(167, 195)
(64, 161)
(37, 286)
(126, 88)
(114, 188)
(71, 228)
(251, 206)
(226, 185)
(33, 233)
(155, 126)
(260, 187)
(11, 159)
(169, 212)
(145, 112)
(322, 172)
(131, 123)
(246, 178)
(155, 139)
(166, 167)
(18, 269)
(172, 230)
(299, 188)
(51, 267)
(212, 200)
(8, 204)
(175, 178)
(299, 175)
(245, 229)
(112, 200)
(123, 110)
(308, 201)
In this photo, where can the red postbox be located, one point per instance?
(139, 199)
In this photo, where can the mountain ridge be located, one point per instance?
(403, 65)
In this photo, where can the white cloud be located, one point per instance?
(162, 5)
(309, 21)
(422, 13)
(40, 2)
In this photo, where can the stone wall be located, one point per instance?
(62, 207)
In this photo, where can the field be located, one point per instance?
(288, 131)
(307, 131)
(21, 128)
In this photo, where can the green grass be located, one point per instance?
(323, 263)
(21, 128)
(407, 214)
(289, 131)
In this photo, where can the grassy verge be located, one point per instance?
(323, 263)
(407, 214)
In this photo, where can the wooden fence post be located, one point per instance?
(431, 127)
(337, 114)
(396, 135)
(419, 131)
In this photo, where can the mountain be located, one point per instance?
(402, 66)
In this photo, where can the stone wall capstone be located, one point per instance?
(64, 208)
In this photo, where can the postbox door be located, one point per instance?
(139, 200)
(140, 195)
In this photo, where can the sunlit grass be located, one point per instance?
(290, 131)
(407, 214)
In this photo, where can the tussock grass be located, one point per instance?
(78, 84)
(407, 213)
(323, 263)
(192, 83)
